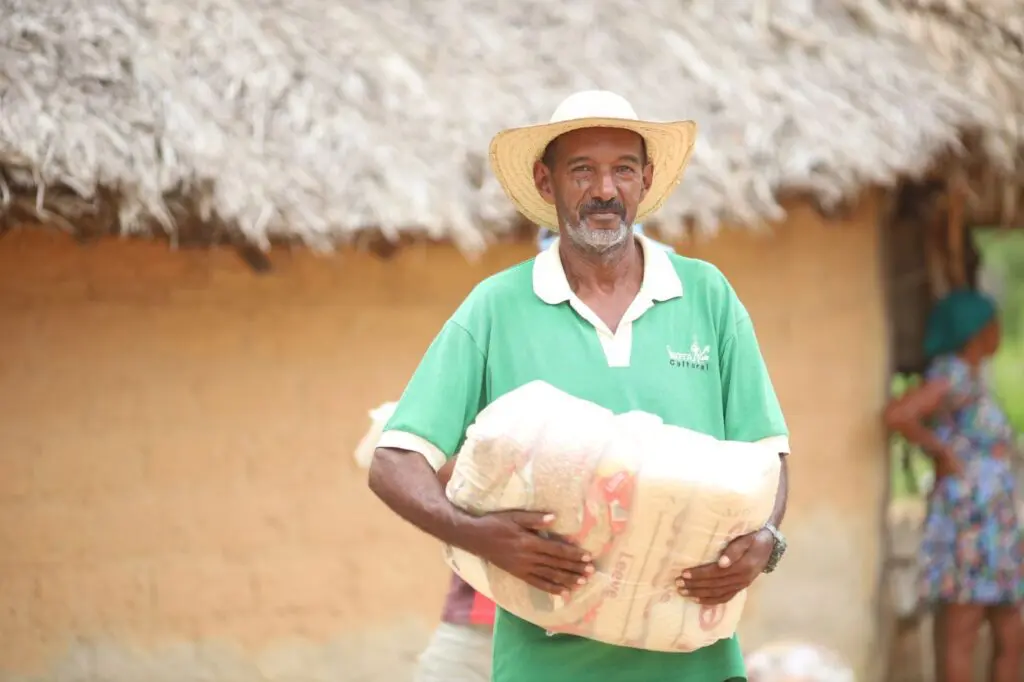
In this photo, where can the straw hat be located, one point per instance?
(514, 151)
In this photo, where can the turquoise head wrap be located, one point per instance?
(955, 320)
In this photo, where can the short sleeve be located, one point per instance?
(752, 410)
(442, 398)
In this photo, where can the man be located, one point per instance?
(460, 648)
(608, 317)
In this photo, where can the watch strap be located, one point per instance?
(778, 549)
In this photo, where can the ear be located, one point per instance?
(647, 179)
(542, 181)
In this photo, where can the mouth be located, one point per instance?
(604, 216)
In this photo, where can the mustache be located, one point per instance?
(598, 206)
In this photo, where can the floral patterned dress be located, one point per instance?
(972, 550)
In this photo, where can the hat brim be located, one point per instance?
(514, 152)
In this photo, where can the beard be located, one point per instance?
(599, 241)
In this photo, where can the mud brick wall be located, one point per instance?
(177, 494)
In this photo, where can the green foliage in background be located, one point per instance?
(1008, 377)
(1002, 253)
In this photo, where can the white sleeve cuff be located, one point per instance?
(779, 443)
(403, 440)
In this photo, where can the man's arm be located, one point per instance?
(442, 399)
(407, 484)
(752, 410)
(781, 494)
(752, 414)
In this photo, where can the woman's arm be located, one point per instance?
(907, 414)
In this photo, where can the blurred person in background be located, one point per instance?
(460, 649)
(972, 550)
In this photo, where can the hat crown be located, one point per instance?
(514, 152)
(593, 104)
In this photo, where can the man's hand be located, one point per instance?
(742, 561)
(511, 541)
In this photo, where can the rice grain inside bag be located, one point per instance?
(646, 499)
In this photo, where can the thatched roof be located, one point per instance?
(321, 119)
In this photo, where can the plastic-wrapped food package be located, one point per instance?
(646, 499)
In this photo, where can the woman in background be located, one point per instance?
(972, 551)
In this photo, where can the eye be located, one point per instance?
(581, 169)
(625, 170)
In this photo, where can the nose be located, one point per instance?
(604, 189)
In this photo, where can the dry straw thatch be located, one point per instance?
(318, 119)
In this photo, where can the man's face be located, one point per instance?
(596, 179)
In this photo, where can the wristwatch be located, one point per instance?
(778, 550)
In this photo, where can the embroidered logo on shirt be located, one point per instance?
(696, 358)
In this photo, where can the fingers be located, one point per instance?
(711, 593)
(563, 551)
(689, 588)
(551, 564)
(537, 522)
(712, 584)
(730, 562)
(711, 572)
(734, 551)
(580, 570)
(553, 579)
(719, 596)
(534, 521)
(564, 580)
(544, 585)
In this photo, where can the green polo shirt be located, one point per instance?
(684, 351)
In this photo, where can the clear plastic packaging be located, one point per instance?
(647, 500)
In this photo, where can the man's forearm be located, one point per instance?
(781, 495)
(405, 482)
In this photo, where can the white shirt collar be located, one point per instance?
(660, 283)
